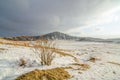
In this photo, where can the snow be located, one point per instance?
(63, 60)
(101, 69)
(83, 51)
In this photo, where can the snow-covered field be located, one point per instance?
(103, 60)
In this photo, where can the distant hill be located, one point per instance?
(60, 36)
(53, 35)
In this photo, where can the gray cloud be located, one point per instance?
(35, 17)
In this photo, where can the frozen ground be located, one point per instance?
(105, 67)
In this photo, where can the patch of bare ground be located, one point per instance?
(50, 74)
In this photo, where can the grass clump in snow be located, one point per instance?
(2, 49)
(22, 62)
(50, 74)
(93, 59)
(81, 66)
(115, 63)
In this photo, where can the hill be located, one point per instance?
(61, 36)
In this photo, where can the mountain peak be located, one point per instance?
(56, 35)
(56, 32)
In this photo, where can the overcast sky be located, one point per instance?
(93, 18)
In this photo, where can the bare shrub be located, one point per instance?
(44, 51)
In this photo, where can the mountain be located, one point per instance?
(61, 36)
(53, 35)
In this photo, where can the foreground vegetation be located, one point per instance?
(50, 74)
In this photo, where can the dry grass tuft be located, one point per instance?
(16, 43)
(22, 62)
(2, 49)
(115, 63)
(1, 43)
(50, 74)
(82, 66)
(67, 67)
(93, 59)
(62, 53)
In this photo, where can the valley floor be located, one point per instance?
(91, 61)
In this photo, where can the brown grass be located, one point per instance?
(81, 66)
(93, 59)
(50, 74)
(2, 49)
(67, 67)
(16, 43)
(115, 63)
(62, 53)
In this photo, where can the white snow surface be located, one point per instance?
(83, 51)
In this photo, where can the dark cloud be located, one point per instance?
(35, 17)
